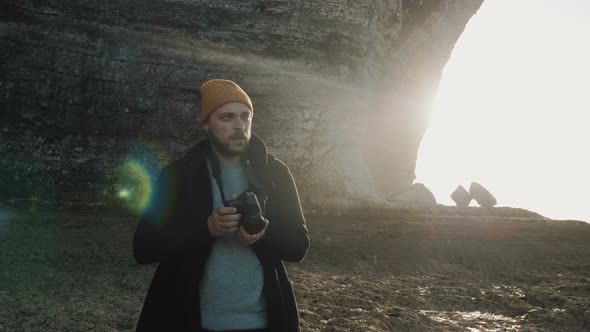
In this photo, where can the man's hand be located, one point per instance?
(223, 221)
(248, 239)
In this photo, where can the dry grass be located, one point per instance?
(74, 271)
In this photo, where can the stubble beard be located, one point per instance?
(225, 149)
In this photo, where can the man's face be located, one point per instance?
(230, 128)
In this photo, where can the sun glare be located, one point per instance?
(512, 109)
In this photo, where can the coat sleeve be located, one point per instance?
(161, 234)
(286, 236)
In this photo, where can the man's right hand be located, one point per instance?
(223, 221)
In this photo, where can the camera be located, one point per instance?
(247, 205)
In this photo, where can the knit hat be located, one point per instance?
(216, 93)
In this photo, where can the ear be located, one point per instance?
(206, 126)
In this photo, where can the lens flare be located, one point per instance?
(125, 194)
(135, 185)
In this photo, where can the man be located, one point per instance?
(213, 274)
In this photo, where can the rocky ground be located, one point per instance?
(445, 269)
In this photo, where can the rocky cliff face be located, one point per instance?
(341, 89)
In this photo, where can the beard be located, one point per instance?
(226, 149)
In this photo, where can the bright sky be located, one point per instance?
(513, 109)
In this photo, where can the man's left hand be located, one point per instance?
(248, 239)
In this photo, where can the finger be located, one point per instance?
(227, 225)
(259, 234)
(229, 218)
(248, 237)
(234, 196)
(227, 210)
(257, 237)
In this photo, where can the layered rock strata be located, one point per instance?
(341, 89)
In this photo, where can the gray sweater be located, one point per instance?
(231, 288)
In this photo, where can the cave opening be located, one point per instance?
(511, 109)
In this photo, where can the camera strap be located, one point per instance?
(216, 173)
(253, 183)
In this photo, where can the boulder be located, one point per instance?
(461, 196)
(483, 197)
(417, 195)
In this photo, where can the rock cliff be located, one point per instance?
(341, 89)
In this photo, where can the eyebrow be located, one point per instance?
(232, 113)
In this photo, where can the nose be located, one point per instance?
(239, 124)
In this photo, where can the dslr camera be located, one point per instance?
(247, 205)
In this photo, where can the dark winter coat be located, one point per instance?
(174, 232)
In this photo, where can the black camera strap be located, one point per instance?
(216, 172)
(253, 183)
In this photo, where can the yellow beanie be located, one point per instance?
(216, 93)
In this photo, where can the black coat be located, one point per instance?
(174, 232)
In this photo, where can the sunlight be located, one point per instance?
(511, 110)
